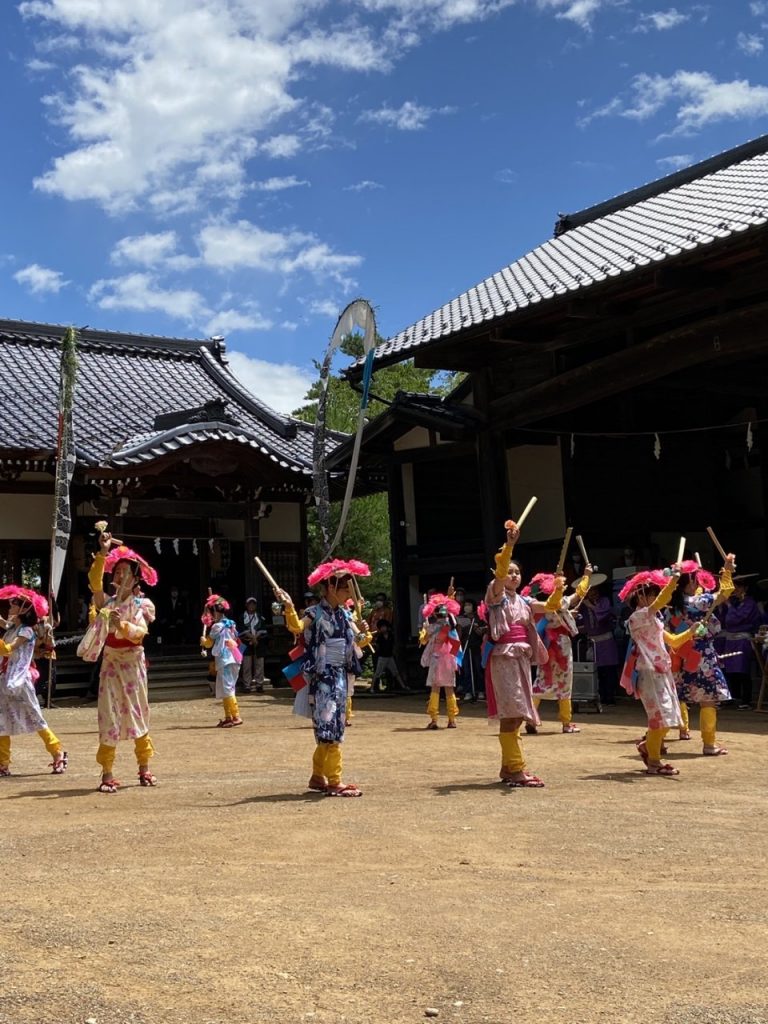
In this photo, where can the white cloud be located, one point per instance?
(242, 245)
(700, 100)
(506, 176)
(148, 250)
(750, 44)
(325, 307)
(40, 280)
(281, 385)
(363, 186)
(675, 162)
(759, 8)
(140, 293)
(281, 146)
(35, 64)
(410, 117)
(661, 20)
(278, 184)
(228, 320)
(580, 12)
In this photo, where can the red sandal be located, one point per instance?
(147, 778)
(111, 786)
(348, 789)
(5, 771)
(662, 769)
(529, 782)
(59, 764)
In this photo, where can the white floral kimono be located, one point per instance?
(19, 707)
(123, 707)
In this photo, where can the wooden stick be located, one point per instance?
(680, 551)
(564, 551)
(716, 542)
(582, 549)
(526, 512)
(697, 556)
(266, 573)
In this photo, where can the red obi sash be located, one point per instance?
(114, 641)
(516, 634)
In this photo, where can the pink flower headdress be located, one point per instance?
(704, 579)
(453, 607)
(338, 567)
(215, 599)
(641, 580)
(122, 553)
(542, 585)
(23, 594)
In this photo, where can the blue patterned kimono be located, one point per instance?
(330, 655)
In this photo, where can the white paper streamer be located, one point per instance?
(194, 547)
(657, 447)
(176, 545)
(750, 440)
(158, 546)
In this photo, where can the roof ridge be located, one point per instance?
(282, 425)
(718, 162)
(54, 333)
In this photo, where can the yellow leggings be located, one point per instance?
(684, 716)
(564, 709)
(654, 740)
(327, 762)
(231, 709)
(349, 713)
(143, 749)
(512, 759)
(52, 745)
(708, 726)
(433, 705)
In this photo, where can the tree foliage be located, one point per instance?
(366, 534)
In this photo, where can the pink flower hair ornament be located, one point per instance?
(453, 607)
(338, 567)
(641, 580)
(217, 599)
(541, 585)
(703, 577)
(122, 553)
(12, 592)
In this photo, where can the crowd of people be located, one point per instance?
(689, 643)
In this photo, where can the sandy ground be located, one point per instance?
(228, 894)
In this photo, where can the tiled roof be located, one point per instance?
(123, 383)
(702, 205)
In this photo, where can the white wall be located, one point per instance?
(537, 469)
(416, 438)
(26, 516)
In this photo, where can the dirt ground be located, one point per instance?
(229, 895)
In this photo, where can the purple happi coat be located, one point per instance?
(596, 622)
(741, 620)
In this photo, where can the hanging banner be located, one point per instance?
(65, 460)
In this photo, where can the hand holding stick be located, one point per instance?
(564, 551)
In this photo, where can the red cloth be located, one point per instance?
(113, 641)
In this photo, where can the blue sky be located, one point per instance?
(247, 167)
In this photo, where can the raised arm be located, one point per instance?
(665, 594)
(503, 560)
(726, 581)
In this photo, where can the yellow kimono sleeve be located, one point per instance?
(206, 641)
(665, 594)
(582, 588)
(726, 586)
(555, 600)
(96, 573)
(677, 640)
(5, 649)
(503, 558)
(292, 620)
(128, 631)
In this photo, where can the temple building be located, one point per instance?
(617, 372)
(185, 464)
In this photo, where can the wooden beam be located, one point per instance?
(716, 339)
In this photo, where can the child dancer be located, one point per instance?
(554, 680)
(222, 640)
(515, 645)
(439, 656)
(330, 644)
(648, 667)
(121, 623)
(698, 675)
(19, 707)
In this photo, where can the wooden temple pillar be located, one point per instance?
(401, 599)
(251, 548)
(491, 470)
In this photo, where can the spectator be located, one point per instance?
(253, 633)
(596, 620)
(471, 633)
(382, 612)
(741, 619)
(384, 643)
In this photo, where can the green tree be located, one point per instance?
(366, 534)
